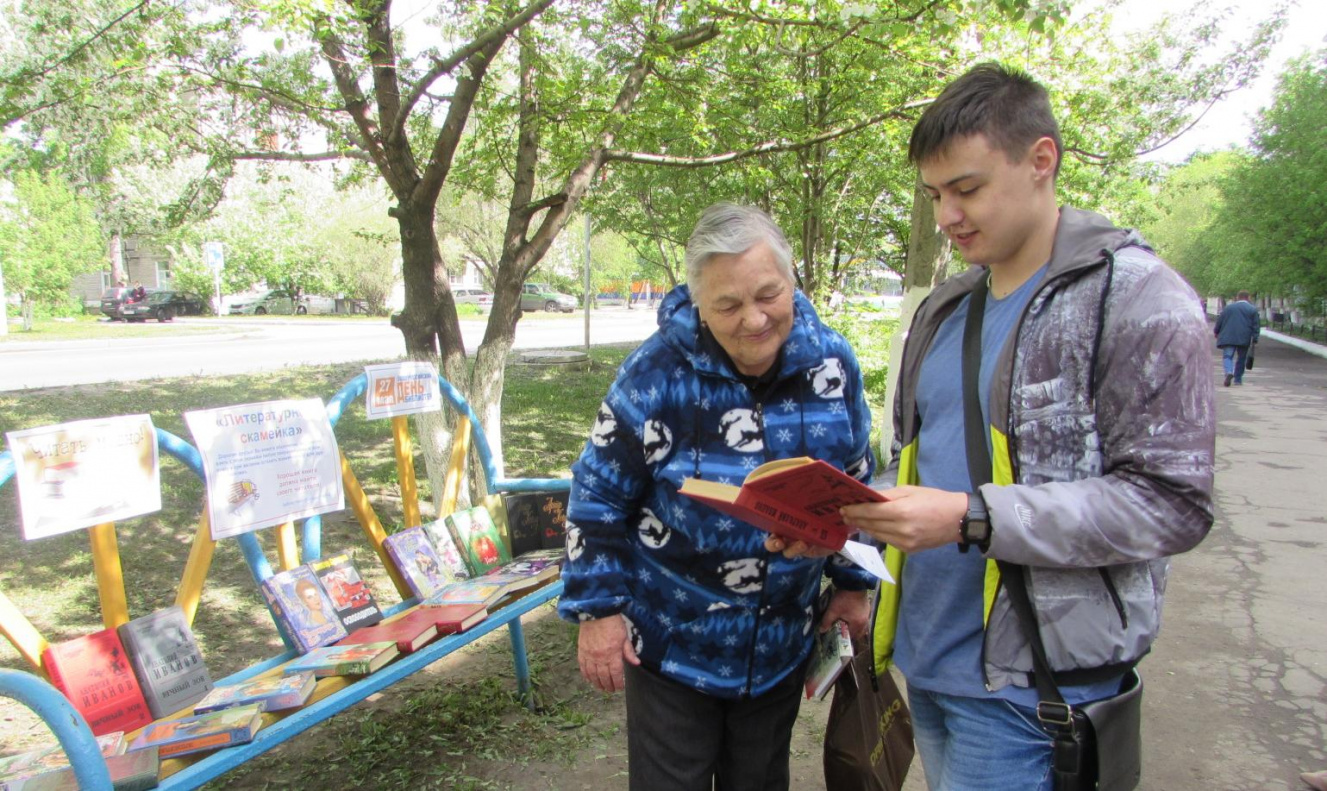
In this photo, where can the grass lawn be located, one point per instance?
(99, 328)
(455, 725)
(465, 703)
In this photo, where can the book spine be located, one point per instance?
(283, 620)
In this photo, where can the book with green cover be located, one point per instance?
(478, 538)
(346, 660)
(832, 652)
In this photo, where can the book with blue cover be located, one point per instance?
(417, 560)
(271, 693)
(303, 607)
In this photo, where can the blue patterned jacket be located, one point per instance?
(706, 605)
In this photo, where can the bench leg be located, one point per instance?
(522, 662)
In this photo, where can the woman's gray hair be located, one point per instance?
(732, 229)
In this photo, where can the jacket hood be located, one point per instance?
(679, 327)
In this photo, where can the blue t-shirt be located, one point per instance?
(939, 639)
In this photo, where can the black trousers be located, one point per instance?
(679, 739)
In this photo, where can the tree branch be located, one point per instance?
(449, 137)
(769, 147)
(445, 65)
(294, 156)
(30, 75)
(358, 108)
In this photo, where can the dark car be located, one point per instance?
(163, 306)
(112, 298)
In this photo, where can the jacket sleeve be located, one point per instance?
(859, 463)
(608, 484)
(1157, 428)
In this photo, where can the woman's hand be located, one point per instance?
(601, 649)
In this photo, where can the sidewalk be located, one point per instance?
(1235, 687)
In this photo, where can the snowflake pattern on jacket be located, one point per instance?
(705, 604)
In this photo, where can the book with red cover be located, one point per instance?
(798, 499)
(411, 631)
(95, 674)
(453, 618)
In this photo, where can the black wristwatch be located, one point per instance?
(975, 529)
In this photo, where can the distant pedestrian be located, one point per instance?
(1237, 329)
(138, 294)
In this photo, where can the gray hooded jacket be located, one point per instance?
(1103, 429)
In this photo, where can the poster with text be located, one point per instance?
(267, 463)
(404, 388)
(85, 473)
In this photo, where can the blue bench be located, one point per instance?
(333, 695)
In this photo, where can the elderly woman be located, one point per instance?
(682, 606)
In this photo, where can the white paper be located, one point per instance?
(267, 463)
(868, 557)
(84, 473)
(404, 388)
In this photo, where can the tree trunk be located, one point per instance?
(28, 305)
(117, 259)
(925, 267)
(432, 332)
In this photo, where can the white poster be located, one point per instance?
(84, 473)
(267, 463)
(405, 388)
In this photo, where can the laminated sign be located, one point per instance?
(405, 388)
(85, 473)
(267, 463)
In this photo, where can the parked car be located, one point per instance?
(472, 296)
(277, 301)
(540, 296)
(163, 306)
(112, 299)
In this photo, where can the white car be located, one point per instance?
(472, 296)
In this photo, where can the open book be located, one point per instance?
(798, 499)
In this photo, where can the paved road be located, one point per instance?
(275, 344)
(1235, 687)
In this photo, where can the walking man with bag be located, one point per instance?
(1054, 436)
(1236, 331)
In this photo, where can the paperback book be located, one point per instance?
(271, 693)
(135, 771)
(95, 675)
(798, 499)
(416, 559)
(410, 632)
(350, 595)
(831, 653)
(477, 537)
(303, 607)
(167, 661)
(52, 757)
(345, 660)
(479, 591)
(453, 565)
(201, 732)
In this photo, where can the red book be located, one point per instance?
(411, 631)
(797, 498)
(94, 673)
(453, 618)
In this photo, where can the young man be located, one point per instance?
(1236, 329)
(1096, 404)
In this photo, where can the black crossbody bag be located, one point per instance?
(1097, 745)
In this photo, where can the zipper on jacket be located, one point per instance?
(755, 630)
(1114, 596)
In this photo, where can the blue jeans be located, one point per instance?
(1232, 359)
(978, 744)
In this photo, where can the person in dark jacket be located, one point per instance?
(1237, 329)
(681, 605)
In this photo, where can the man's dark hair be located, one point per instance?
(1005, 104)
(1244, 295)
